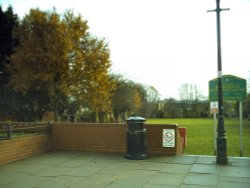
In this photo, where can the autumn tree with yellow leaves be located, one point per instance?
(58, 55)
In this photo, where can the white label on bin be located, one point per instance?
(168, 138)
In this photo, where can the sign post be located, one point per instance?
(234, 89)
(215, 142)
(214, 110)
(241, 128)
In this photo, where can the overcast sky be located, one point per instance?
(163, 43)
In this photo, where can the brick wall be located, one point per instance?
(23, 147)
(89, 137)
(109, 138)
(154, 140)
(85, 137)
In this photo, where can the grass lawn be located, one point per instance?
(200, 135)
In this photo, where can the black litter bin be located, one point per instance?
(136, 138)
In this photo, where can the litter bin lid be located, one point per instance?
(136, 119)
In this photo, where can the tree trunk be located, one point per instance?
(56, 108)
(97, 120)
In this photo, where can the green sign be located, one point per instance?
(234, 88)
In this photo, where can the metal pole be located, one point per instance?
(241, 128)
(215, 143)
(221, 133)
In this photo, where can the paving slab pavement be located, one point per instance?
(87, 170)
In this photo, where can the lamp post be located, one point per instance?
(221, 133)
